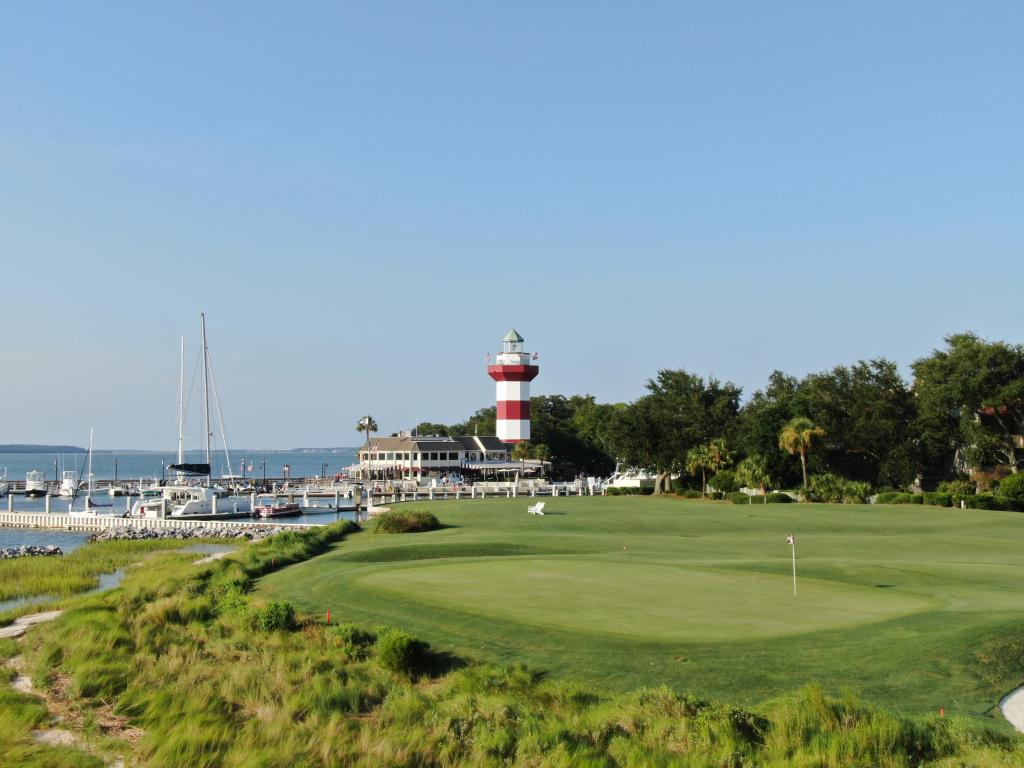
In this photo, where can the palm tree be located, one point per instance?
(368, 425)
(542, 453)
(521, 452)
(712, 456)
(719, 456)
(753, 472)
(698, 459)
(798, 436)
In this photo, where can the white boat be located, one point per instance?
(35, 484)
(90, 508)
(68, 483)
(181, 499)
(116, 490)
(192, 502)
(5, 487)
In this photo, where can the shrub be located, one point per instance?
(717, 495)
(897, 497)
(412, 521)
(630, 491)
(278, 616)
(917, 498)
(1012, 488)
(956, 488)
(938, 499)
(838, 490)
(725, 481)
(738, 498)
(778, 498)
(353, 641)
(987, 501)
(398, 651)
(690, 493)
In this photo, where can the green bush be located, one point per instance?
(630, 491)
(398, 651)
(834, 489)
(278, 616)
(717, 495)
(1012, 488)
(725, 481)
(412, 521)
(353, 641)
(690, 493)
(778, 498)
(955, 488)
(938, 499)
(917, 498)
(987, 501)
(895, 497)
(738, 498)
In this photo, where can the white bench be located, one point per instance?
(536, 509)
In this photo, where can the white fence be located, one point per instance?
(70, 523)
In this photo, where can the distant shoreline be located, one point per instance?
(27, 448)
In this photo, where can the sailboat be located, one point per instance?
(182, 500)
(91, 508)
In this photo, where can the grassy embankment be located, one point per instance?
(911, 608)
(176, 651)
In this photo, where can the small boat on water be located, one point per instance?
(5, 487)
(68, 483)
(192, 502)
(116, 490)
(286, 509)
(90, 507)
(35, 484)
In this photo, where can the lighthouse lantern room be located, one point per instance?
(513, 370)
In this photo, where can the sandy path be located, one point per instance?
(215, 556)
(21, 624)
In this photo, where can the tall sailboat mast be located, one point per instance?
(88, 476)
(206, 394)
(181, 409)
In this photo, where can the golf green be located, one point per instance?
(639, 600)
(911, 607)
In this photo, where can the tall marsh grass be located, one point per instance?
(76, 572)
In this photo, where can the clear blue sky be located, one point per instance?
(365, 197)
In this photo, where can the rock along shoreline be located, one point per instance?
(213, 531)
(31, 550)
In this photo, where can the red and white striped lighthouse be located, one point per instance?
(513, 369)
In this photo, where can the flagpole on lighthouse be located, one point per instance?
(791, 540)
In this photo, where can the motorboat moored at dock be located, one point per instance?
(286, 509)
(192, 502)
(35, 484)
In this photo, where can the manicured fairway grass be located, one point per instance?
(913, 608)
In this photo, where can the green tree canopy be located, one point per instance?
(971, 401)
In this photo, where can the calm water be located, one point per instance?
(149, 464)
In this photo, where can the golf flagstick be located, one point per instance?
(791, 540)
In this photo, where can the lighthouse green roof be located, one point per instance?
(513, 336)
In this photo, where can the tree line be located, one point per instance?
(961, 415)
